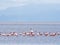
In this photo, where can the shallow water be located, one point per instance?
(30, 40)
(27, 44)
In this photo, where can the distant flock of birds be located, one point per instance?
(31, 33)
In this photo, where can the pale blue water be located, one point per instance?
(30, 40)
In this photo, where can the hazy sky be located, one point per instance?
(29, 10)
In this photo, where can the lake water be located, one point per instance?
(29, 40)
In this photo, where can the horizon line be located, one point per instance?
(29, 22)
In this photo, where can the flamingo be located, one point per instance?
(13, 33)
(24, 33)
(39, 34)
(58, 33)
(8, 34)
(31, 33)
(46, 33)
(52, 34)
(3, 34)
